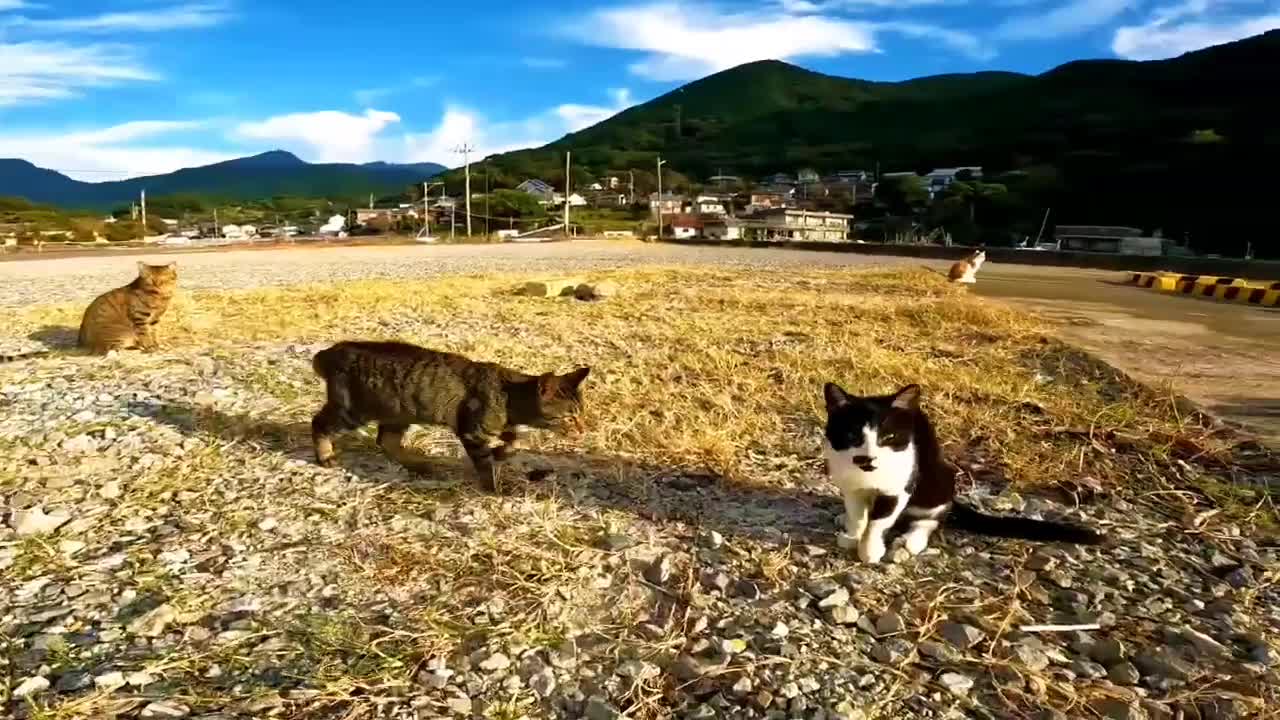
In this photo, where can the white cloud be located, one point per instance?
(1192, 25)
(110, 153)
(1071, 18)
(40, 71)
(543, 63)
(160, 19)
(324, 136)
(369, 96)
(961, 42)
(686, 42)
(463, 125)
(14, 5)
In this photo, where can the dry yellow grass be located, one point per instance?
(722, 370)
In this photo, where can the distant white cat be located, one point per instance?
(966, 270)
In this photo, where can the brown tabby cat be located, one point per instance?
(397, 384)
(126, 317)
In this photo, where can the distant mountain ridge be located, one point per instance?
(264, 175)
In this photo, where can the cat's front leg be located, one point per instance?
(884, 512)
(855, 519)
(481, 450)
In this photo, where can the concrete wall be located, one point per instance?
(1231, 267)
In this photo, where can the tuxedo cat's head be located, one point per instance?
(871, 440)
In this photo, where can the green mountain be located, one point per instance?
(259, 176)
(1187, 145)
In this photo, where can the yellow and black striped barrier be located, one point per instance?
(1227, 289)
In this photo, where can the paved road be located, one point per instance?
(1225, 356)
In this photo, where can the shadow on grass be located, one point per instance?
(651, 491)
(56, 337)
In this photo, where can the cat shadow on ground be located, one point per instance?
(654, 492)
(56, 337)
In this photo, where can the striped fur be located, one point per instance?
(126, 317)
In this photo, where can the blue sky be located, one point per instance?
(104, 89)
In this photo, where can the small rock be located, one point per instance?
(710, 539)
(838, 598)
(1108, 651)
(1204, 644)
(71, 547)
(1040, 561)
(459, 705)
(495, 662)
(551, 288)
(30, 687)
(1262, 655)
(139, 679)
(1088, 670)
(743, 686)
(599, 709)
(889, 623)
(543, 682)
(1116, 709)
(1239, 578)
(596, 291)
(891, 651)
(1124, 673)
(780, 630)
(153, 623)
(110, 490)
(938, 651)
(267, 524)
(716, 581)
(1034, 658)
(616, 542)
(73, 681)
(637, 669)
(109, 681)
(165, 710)
(958, 684)
(962, 636)
(34, 521)
(659, 571)
(844, 615)
(79, 445)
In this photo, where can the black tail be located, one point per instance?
(966, 518)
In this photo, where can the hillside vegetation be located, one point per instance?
(1184, 145)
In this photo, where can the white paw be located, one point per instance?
(846, 541)
(915, 544)
(871, 551)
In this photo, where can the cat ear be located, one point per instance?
(908, 398)
(836, 396)
(575, 378)
(548, 386)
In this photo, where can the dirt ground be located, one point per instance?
(1223, 356)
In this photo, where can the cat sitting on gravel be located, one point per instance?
(396, 384)
(126, 317)
(881, 451)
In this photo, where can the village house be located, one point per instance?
(723, 228)
(684, 226)
(768, 200)
(794, 224)
(539, 189)
(807, 176)
(940, 178)
(669, 204)
(712, 205)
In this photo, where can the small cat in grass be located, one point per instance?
(126, 317)
(397, 385)
(966, 270)
(882, 453)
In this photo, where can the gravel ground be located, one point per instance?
(31, 282)
(168, 550)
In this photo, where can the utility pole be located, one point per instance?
(566, 193)
(1042, 224)
(465, 150)
(217, 229)
(426, 206)
(661, 162)
(144, 212)
(632, 174)
(486, 199)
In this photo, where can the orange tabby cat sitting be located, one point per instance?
(126, 317)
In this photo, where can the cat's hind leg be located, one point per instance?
(391, 440)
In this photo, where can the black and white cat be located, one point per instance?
(882, 453)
